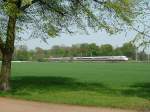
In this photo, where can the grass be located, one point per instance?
(117, 85)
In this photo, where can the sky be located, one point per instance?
(100, 37)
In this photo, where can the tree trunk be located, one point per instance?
(5, 72)
(7, 52)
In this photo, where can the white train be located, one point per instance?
(98, 58)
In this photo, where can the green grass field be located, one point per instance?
(118, 85)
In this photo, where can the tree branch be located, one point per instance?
(1, 44)
(100, 2)
(49, 6)
(34, 1)
(141, 32)
(28, 5)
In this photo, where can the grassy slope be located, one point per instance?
(120, 85)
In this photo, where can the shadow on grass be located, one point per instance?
(47, 88)
(25, 84)
(138, 89)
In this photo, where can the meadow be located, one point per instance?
(116, 85)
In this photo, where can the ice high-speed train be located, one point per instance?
(98, 58)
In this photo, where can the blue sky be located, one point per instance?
(100, 37)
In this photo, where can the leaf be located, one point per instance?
(26, 2)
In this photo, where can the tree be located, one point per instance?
(57, 51)
(142, 56)
(93, 49)
(21, 53)
(117, 52)
(106, 50)
(128, 49)
(75, 50)
(51, 17)
(39, 54)
(141, 25)
(84, 49)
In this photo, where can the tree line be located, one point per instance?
(38, 54)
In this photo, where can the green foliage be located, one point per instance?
(26, 2)
(51, 17)
(53, 31)
(123, 9)
(118, 52)
(21, 54)
(11, 9)
(39, 54)
(129, 50)
(106, 50)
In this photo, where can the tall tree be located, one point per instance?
(51, 17)
(39, 54)
(21, 53)
(128, 49)
(93, 48)
(106, 50)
